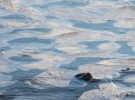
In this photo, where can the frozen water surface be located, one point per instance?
(45, 43)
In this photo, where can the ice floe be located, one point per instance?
(57, 78)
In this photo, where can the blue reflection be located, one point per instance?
(125, 49)
(25, 59)
(106, 26)
(53, 50)
(82, 61)
(62, 3)
(43, 30)
(14, 16)
(51, 17)
(92, 45)
(31, 40)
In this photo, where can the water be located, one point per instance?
(44, 44)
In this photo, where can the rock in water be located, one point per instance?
(7, 4)
(84, 76)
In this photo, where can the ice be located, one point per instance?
(48, 61)
(130, 78)
(6, 4)
(101, 71)
(45, 43)
(57, 78)
(127, 23)
(106, 92)
(109, 46)
(109, 91)
(124, 62)
(70, 49)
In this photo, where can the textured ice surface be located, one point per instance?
(105, 93)
(7, 4)
(44, 43)
(57, 78)
(109, 91)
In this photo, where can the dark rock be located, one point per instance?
(94, 80)
(84, 76)
(127, 95)
(128, 69)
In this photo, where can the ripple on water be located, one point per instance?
(107, 26)
(92, 45)
(73, 65)
(5, 80)
(125, 49)
(15, 17)
(51, 17)
(26, 59)
(31, 40)
(64, 3)
(42, 30)
(79, 33)
(130, 78)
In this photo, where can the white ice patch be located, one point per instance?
(109, 46)
(109, 91)
(6, 4)
(57, 78)
(48, 61)
(89, 35)
(100, 71)
(118, 61)
(70, 48)
(126, 23)
(106, 92)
